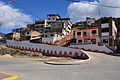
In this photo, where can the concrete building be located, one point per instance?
(108, 32)
(86, 36)
(53, 28)
(89, 22)
(25, 34)
(13, 36)
(104, 34)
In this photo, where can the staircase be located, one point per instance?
(64, 41)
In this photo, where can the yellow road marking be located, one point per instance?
(9, 78)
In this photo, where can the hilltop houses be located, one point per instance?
(100, 32)
(108, 32)
(86, 36)
(60, 31)
(51, 30)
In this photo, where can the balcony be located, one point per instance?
(105, 25)
(105, 34)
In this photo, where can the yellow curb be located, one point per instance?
(10, 78)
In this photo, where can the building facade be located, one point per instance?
(53, 28)
(108, 32)
(86, 36)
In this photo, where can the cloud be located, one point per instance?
(11, 17)
(79, 11)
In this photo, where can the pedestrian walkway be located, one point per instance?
(6, 76)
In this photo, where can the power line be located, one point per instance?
(91, 3)
(26, 10)
(11, 1)
(95, 4)
(100, 5)
(6, 4)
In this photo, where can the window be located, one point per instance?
(59, 24)
(37, 30)
(88, 39)
(46, 31)
(53, 25)
(48, 18)
(104, 21)
(79, 41)
(37, 27)
(73, 34)
(23, 33)
(57, 35)
(105, 40)
(85, 33)
(85, 40)
(41, 26)
(51, 34)
(94, 32)
(105, 29)
(42, 35)
(93, 40)
(45, 35)
(78, 33)
(47, 27)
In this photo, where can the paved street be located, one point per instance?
(101, 67)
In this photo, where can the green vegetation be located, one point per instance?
(15, 52)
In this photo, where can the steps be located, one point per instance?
(64, 41)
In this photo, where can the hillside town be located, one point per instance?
(59, 39)
(55, 30)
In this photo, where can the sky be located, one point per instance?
(12, 16)
(79, 11)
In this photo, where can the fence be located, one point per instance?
(48, 49)
(93, 48)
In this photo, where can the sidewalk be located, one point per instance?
(6, 76)
(68, 62)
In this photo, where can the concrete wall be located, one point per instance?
(94, 48)
(48, 39)
(48, 49)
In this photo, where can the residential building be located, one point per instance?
(108, 32)
(24, 34)
(104, 34)
(53, 28)
(117, 42)
(89, 22)
(13, 36)
(2, 36)
(86, 36)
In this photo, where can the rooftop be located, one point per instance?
(64, 19)
(53, 15)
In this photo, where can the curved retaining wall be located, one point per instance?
(93, 48)
(48, 49)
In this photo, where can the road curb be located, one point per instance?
(10, 76)
(69, 62)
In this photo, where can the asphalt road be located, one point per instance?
(101, 67)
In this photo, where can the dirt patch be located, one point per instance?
(57, 60)
(6, 56)
(65, 60)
